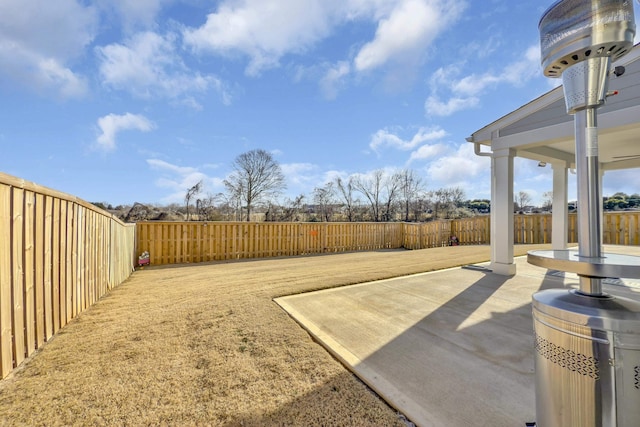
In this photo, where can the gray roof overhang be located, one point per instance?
(543, 131)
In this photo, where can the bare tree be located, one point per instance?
(457, 200)
(323, 198)
(411, 189)
(191, 193)
(371, 188)
(446, 201)
(205, 208)
(291, 209)
(295, 208)
(256, 176)
(230, 204)
(439, 198)
(547, 200)
(345, 191)
(523, 199)
(392, 187)
(419, 206)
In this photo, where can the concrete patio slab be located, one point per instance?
(447, 348)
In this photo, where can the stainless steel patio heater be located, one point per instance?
(587, 342)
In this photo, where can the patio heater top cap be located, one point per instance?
(572, 31)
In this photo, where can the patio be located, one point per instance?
(446, 348)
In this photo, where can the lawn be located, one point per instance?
(204, 344)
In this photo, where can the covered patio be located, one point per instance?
(543, 131)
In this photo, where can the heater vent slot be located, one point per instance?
(556, 68)
(569, 359)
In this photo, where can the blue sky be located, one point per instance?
(123, 101)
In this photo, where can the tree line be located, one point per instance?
(617, 202)
(256, 182)
(621, 201)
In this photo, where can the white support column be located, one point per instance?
(601, 170)
(502, 212)
(560, 214)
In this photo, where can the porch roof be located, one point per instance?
(543, 131)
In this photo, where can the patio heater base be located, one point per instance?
(587, 359)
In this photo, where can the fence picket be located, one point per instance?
(39, 273)
(29, 272)
(17, 237)
(6, 350)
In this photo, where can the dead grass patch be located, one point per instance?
(204, 344)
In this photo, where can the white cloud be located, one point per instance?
(265, 31)
(464, 92)
(40, 73)
(518, 73)
(148, 66)
(427, 152)
(407, 30)
(300, 175)
(481, 49)
(463, 166)
(111, 124)
(134, 13)
(334, 78)
(332, 175)
(435, 107)
(262, 30)
(51, 74)
(162, 165)
(474, 84)
(178, 179)
(384, 137)
(39, 39)
(59, 29)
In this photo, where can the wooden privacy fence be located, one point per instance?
(185, 242)
(618, 228)
(536, 228)
(58, 255)
(425, 235)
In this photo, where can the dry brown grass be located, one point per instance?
(205, 345)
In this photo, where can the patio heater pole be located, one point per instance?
(589, 193)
